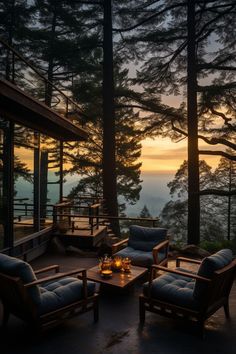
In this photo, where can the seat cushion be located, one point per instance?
(174, 289)
(62, 292)
(207, 268)
(15, 267)
(145, 238)
(139, 258)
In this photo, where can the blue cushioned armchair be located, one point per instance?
(185, 294)
(46, 301)
(145, 246)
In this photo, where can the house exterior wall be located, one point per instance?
(30, 183)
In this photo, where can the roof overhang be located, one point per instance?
(18, 106)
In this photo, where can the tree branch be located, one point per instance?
(149, 18)
(210, 141)
(214, 20)
(227, 86)
(208, 66)
(178, 130)
(220, 114)
(217, 192)
(218, 153)
(215, 141)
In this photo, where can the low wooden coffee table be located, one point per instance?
(119, 279)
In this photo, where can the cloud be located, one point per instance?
(164, 158)
(167, 154)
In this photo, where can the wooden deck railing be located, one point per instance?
(74, 216)
(92, 216)
(62, 212)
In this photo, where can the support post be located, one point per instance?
(109, 142)
(192, 120)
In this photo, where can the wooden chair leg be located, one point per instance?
(226, 309)
(141, 310)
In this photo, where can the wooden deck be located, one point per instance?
(118, 330)
(83, 238)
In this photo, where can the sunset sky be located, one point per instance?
(161, 155)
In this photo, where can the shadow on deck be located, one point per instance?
(118, 329)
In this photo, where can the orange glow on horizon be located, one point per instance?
(161, 155)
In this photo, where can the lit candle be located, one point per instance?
(117, 264)
(106, 272)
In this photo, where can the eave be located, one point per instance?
(20, 107)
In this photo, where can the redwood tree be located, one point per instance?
(192, 124)
(109, 145)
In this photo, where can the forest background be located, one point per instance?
(66, 41)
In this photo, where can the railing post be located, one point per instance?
(54, 215)
(97, 219)
(26, 210)
(69, 217)
(91, 219)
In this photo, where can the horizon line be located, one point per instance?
(158, 172)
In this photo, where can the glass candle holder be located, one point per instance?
(105, 266)
(126, 265)
(117, 264)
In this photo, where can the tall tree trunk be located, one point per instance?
(49, 88)
(109, 143)
(9, 58)
(229, 201)
(193, 157)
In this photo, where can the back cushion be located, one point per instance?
(145, 238)
(17, 268)
(207, 268)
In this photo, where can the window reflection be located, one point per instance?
(36, 182)
(24, 215)
(49, 174)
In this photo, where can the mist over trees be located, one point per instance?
(177, 48)
(217, 212)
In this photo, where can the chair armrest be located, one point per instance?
(47, 269)
(55, 277)
(180, 272)
(158, 247)
(118, 245)
(189, 260)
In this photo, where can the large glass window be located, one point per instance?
(25, 144)
(49, 177)
(5, 184)
(29, 183)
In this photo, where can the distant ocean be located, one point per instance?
(154, 194)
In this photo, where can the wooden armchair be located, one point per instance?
(47, 301)
(179, 293)
(145, 246)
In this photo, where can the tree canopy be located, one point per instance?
(182, 49)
